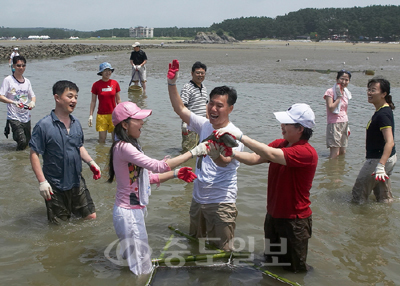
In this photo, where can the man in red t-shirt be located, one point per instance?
(107, 91)
(293, 162)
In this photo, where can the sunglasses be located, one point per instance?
(345, 71)
(21, 66)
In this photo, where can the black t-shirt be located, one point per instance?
(138, 57)
(383, 118)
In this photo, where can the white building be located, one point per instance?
(141, 32)
(44, 37)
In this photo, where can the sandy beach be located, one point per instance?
(270, 61)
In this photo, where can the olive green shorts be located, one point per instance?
(76, 201)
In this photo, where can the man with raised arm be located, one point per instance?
(213, 209)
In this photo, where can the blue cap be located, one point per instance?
(104, 66)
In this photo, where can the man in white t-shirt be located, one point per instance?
(213, 209)
(16, 91)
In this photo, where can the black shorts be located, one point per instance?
(297, 232)
(76, 201)
(21, 132)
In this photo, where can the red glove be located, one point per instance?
(213, 149)
(225, 150)
(95, 169)
(173, 72)
(234, 133)
(185, 174)
(18, 104)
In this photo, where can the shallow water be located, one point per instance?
(351, 244)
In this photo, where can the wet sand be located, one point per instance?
(328, 45)
(274, 62)
(267, 61)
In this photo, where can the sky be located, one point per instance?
(92, 15)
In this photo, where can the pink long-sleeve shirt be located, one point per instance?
(126, 161)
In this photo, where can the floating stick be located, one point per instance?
(203, 257)
(166, 247)
(270, 274)
(273, 275)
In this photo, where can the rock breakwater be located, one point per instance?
(58, 50)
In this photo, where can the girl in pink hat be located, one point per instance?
(134, 172)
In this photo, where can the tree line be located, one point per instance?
(372, 23)
(55, 33)
(377, 22)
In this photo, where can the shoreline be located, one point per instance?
(34, 49)
(180, 42)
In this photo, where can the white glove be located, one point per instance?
(90, 121)
(199, 150)
(95, 169)
(18, 104)
(213, 150)
(185, 131)
(45, 190)
(9, 65)
(380, 174)
(31, 105)
(236, 133)
(133, 67)
(138, 67)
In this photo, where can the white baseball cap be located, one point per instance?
(136, 44)
(298, 113)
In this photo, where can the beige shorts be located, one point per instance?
(216, 222)
(366, 183)
(337, 134)
(139, 75)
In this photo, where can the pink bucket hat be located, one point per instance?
(126, 110)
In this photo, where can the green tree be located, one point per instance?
(55, 33)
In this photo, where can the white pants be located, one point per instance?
(131, 231)
(139, 75)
